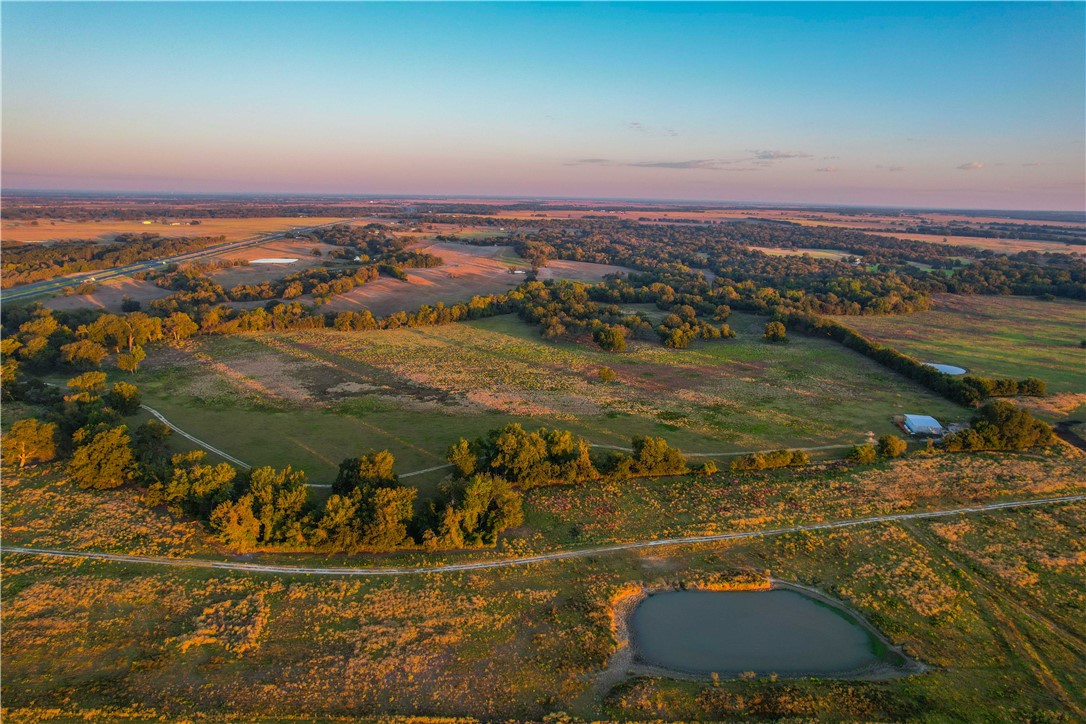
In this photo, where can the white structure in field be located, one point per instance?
(923, 425)
(274, 260)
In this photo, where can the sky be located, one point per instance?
(957, 105)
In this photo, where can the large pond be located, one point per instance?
(777, 631)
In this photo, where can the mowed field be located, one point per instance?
(313, 398)
(998, 336)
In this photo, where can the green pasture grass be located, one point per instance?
(995, 336)
(312, 398)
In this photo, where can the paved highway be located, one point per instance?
(55, 285)
(542, 558)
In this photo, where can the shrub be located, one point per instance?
(606, 374)
(863, 454)
(892, 446)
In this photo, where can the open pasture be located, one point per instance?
(996, 336)
(109, 295)
(835, 254)
(467, 271)
(232, 229)
(312, 398)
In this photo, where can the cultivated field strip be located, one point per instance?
(541, 558)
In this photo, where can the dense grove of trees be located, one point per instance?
(999, 425)
(26, 263)
(558, 457)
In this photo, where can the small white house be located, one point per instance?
(923, 425)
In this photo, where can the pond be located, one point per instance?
(776, 631)
(947, 369)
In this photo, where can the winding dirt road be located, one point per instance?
(541, 558)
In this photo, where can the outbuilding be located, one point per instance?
(923, 425)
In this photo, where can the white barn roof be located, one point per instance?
(923, 425)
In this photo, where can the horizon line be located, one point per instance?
(499, 197)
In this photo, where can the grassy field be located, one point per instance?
(1000, 336)
(991, 603)
(232, 229)
(814, 253)
(313, 398)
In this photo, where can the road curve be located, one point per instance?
(541, 558)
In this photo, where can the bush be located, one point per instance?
(606, 374)
(775, 332)
(892, 446)
(863, 454)
(770, 460)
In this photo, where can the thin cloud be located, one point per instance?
(828, 169)
(890, 168)
(763, 155)
(639, 127)
(971, 166)
(697, 164)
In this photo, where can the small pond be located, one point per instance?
(777, 631)
(947, 369)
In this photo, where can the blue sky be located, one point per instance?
(964, 104)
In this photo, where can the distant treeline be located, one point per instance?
(24, 263)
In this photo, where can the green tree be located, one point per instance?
(653, 456)
(279, 499)
(863, 454)
(611, 338)
(393, 509)
(105, 462)
(83, 354)
(606, 374)
(892, 446)
(130, 361)
(30, 440)
(124, 398)
(365, 473)
(340, 525)
(195, 487)
(775, 332)
(235, 524)
(178, 327)
(463, 457)
(87, 387)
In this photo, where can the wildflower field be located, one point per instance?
(990, 603)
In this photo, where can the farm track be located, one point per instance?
(527, 560)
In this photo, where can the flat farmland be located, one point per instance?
(312, 398)
(1001, 336)
(232, 229)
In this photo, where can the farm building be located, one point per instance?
(922, 425)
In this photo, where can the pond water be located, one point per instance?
(947, 369)
(778, 631)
